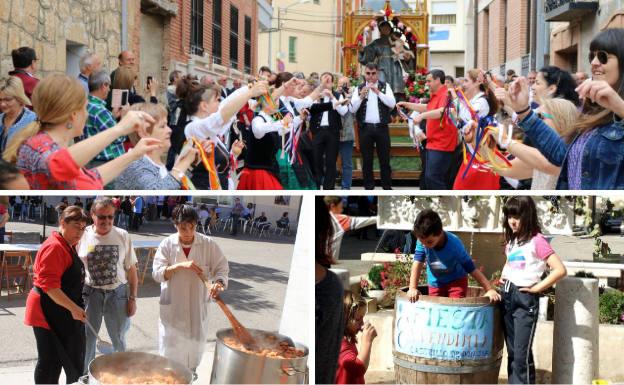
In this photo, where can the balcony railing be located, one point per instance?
(568, 10)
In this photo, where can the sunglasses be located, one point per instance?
(603, 56)
(371, 73)
(102, 217)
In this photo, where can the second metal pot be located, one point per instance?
(231, 366)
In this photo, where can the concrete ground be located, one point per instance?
(259, 272)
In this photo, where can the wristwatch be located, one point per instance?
(132, 297)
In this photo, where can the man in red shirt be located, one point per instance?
(25, 64)
(441, 135)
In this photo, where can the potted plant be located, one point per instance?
(371, 285)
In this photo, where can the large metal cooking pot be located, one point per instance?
(128, 363)
(231, 366)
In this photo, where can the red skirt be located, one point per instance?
(252, 179)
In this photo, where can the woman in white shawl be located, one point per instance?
(183, 260)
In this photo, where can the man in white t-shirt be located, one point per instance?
(110, 288)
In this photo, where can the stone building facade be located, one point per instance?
(60, 31)
(160, 32)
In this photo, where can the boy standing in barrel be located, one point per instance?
(448, 263)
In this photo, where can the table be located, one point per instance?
(151, 247)
(20, 247)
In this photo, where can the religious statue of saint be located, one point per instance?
(382, 52)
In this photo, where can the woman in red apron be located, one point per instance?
(54, 307)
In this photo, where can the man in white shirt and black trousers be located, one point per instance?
(325, 124)
(372, 105)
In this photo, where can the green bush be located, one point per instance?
(611, 305)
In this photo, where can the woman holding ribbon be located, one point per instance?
(209, 121)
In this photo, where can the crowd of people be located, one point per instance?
(87, 272)
(340, 313)
(549, 130)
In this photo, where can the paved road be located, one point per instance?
(258, 279)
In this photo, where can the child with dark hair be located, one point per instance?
(352, 364)
(528, 254)
(448, 263)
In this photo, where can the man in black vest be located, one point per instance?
(372, 105)
(325, 124)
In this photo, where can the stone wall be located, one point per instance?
(47, 25)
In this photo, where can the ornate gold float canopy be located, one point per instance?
(355, 23)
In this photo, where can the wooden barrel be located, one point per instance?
(440, 340)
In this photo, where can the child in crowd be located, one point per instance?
(352, 365)
(448, 263)
(528, 254)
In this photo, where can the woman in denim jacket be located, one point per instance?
(595, 158)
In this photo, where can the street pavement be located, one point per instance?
(257, 287)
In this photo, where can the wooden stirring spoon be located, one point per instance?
(240, 332)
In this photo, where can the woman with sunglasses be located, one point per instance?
(595, 158)
(54, 307)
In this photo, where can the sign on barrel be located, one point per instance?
(441, 331)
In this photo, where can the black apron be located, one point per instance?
(65, 329)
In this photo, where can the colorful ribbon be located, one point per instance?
(208, 160)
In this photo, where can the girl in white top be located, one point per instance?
(528, 256)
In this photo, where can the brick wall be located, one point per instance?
(494, 49)
(178, 31)
(496, 33)
(482, 36)
(517, 29)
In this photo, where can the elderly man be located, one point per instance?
(126, 58)
(223, 80)
(100, 118)
(110, 288)
(236, 84)
(90, 63)
(207, 81)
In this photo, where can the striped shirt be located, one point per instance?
(99, 120)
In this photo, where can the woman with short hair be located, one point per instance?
(182, 263)
(14, 115)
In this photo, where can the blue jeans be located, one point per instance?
(439, 167)
(124, 221)
(346, 156)
(112, 305)
(24, 211)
